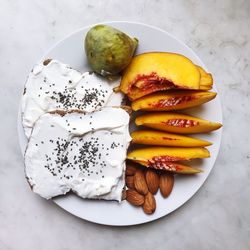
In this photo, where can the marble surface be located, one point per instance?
(218, 216)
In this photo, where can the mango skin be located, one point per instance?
(176, 123)
(168, 70)
(108, 50)
(174, 100)
(158, 138)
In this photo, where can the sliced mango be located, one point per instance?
(165, 101)
(154, 71)
(174, 167)
(152, 137)
(206, 80)
(162, 154)
(176, 123)
(165, 158)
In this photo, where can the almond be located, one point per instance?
(130, 181)
(140, 182)
(134, 198)
(131, 169)
(149, 204)
(166, 184)
(153, 180)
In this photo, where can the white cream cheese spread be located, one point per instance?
(56, 86)
(83, 153)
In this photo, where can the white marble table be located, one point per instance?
(218, 216)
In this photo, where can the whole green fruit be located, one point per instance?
(108, 50)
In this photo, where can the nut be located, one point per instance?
(153, 181)
(166, 184)
(149, 205)
(134, 198)
(140, 182)
(130, 181)
(130, 169)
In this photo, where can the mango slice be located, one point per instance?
(176, 123)
(176, 100)
(155, 71)
(167, 154)
(174, 167)
(152, 137)
(206, 81)
(165, 158)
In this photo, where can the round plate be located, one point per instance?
(70, 51)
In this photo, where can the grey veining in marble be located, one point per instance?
(218, 217)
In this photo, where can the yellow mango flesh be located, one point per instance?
(170, 153)
(152, 137)
(159, 67)
(206, 80)
(176, 123)
(173, 100)
(174, 167)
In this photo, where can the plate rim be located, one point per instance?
(219, 132)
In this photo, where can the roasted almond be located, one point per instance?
(153, 180)
(149, 204)
(130, 169)
(140, 182)
(166, 184)
(130, 181)
(134, 198)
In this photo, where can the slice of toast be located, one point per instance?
(80, 152)
(53, 85)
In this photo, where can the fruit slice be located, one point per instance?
(154, 71)
(176, 167)
(159, 158)
(176, 123)
(164, 101)
(206, 81)
(166, 154)
(165, 158)
(152, 137)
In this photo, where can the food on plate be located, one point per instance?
(108, 50)
(166, 184)
(129, 180)
(157, 71)
(149, 204)
(134, 198)
(53, 85)
(171, 166)
(176, 123)
(140, 183)
(78, 132)
(166, 158)
(152, 179)
(130, 169)
(206, 80)
(159, 138)
(154, 155)
(155, 180)
(174, 100)
(83, 153)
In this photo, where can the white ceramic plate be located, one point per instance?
(70, 51)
